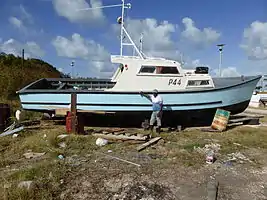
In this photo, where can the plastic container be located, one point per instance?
(210, 157)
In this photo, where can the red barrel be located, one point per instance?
(79, 123)
(68, 122)
(4, 116)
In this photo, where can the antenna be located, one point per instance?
(120, 20)
(141, 43)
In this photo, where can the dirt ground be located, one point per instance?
(172, 169)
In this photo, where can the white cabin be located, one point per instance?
(135, 74)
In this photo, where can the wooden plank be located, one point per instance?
(243, 119)
(63, 111)
(132, 133)
(209, 129)
(143, 146)
(114, 130)
(120, 133)
(246, 115)
(119, 137)
(30, 122)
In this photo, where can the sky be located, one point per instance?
(58, 32)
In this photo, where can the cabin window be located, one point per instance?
(167, 70)
(159, 70)
(147, 69)
(197, 82)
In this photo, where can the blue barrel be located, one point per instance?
(4, 116)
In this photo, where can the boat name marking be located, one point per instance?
(174, 81)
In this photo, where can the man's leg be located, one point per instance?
(152, 119)
(158, 118)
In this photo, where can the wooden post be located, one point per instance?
(73, 112)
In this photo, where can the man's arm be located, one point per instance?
(145, 95)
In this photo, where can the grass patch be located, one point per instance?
(48, 171)
(46, 178)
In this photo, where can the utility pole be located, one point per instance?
(220, 50)
(22, 61)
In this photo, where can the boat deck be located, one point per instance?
(68, 84)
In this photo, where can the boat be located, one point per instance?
(259, 96)
(190, 95)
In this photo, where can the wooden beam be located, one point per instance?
(143, 146)
(243, 119)
(119, 137)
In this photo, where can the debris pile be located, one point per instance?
(31, 154)
(208, 148)
(237, 157)
(119, 134)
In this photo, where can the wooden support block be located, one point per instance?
(143, 146)
(119, 137)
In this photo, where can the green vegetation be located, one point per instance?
(53, 176)
(14, 76)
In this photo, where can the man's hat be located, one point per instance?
(155, 91)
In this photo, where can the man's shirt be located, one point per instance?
(156, 102)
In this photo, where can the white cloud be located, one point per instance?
(17, 23)
(197, 63)
(12, 46)
(34, 49)
(200, 38)
(96, 55)
(227, 72)
(157, 36)
(22, 20)
(78, 47)
(25, 15)
(160, 39)
(69, 9)
(255, 40)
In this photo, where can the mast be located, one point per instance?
(120, 21)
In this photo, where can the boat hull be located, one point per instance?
(177, 105)
(190, 118)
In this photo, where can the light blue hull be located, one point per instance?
(110, 102)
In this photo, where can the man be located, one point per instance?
(157, 105)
